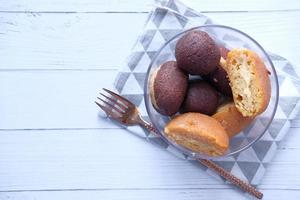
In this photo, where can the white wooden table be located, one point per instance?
(54, 57)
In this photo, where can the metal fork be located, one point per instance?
(125, 112)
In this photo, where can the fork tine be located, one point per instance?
(122, 99)
(112, 106)
(122, 106)
(109, 112)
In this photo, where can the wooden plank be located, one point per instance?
(269, 29)
(67, 41)
(86, 159)
(76, 6)
(91, 41)
(141, 6)
(52, 99)
(236, 5)
(177, 194)
(66, 159)
(112, 159)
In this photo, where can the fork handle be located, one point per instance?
(231, 178)
(149, 127)
(216, 168)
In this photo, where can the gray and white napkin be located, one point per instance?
(167, 19)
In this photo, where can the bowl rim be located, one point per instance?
(182, 149)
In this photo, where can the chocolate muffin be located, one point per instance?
(168, 85)
(219, 78)
(223, 51)
(200, 97)
(197, 53)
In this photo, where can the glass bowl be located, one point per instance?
(230, 38)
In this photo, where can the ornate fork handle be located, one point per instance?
(148, 126)
(125, 112)
(211, 165)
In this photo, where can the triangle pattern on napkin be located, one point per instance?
(172, 17)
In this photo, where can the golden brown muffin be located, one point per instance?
(199, 133)
(231, 119)
(249, 81)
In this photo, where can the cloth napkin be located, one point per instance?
(167, 19)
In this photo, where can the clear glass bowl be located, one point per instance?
(230, 38)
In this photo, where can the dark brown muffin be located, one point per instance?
(218, 78)
(223, 51)
(197, 53)
(220, 81)
(200, 97)
(168, 85)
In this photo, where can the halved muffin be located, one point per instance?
(249, 81)
(199, 133)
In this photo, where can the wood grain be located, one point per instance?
(52, 99)
(141, 6)
(90, 159)
(54, 143)
(48, 99)
(88, 41)
(67, 41)
(276, 32)
(151, 194)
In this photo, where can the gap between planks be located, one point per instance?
(76, 41)
(46, 93)
(141, 6)
(178, 194)
(142, 12)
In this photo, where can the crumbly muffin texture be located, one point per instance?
(249, 81)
